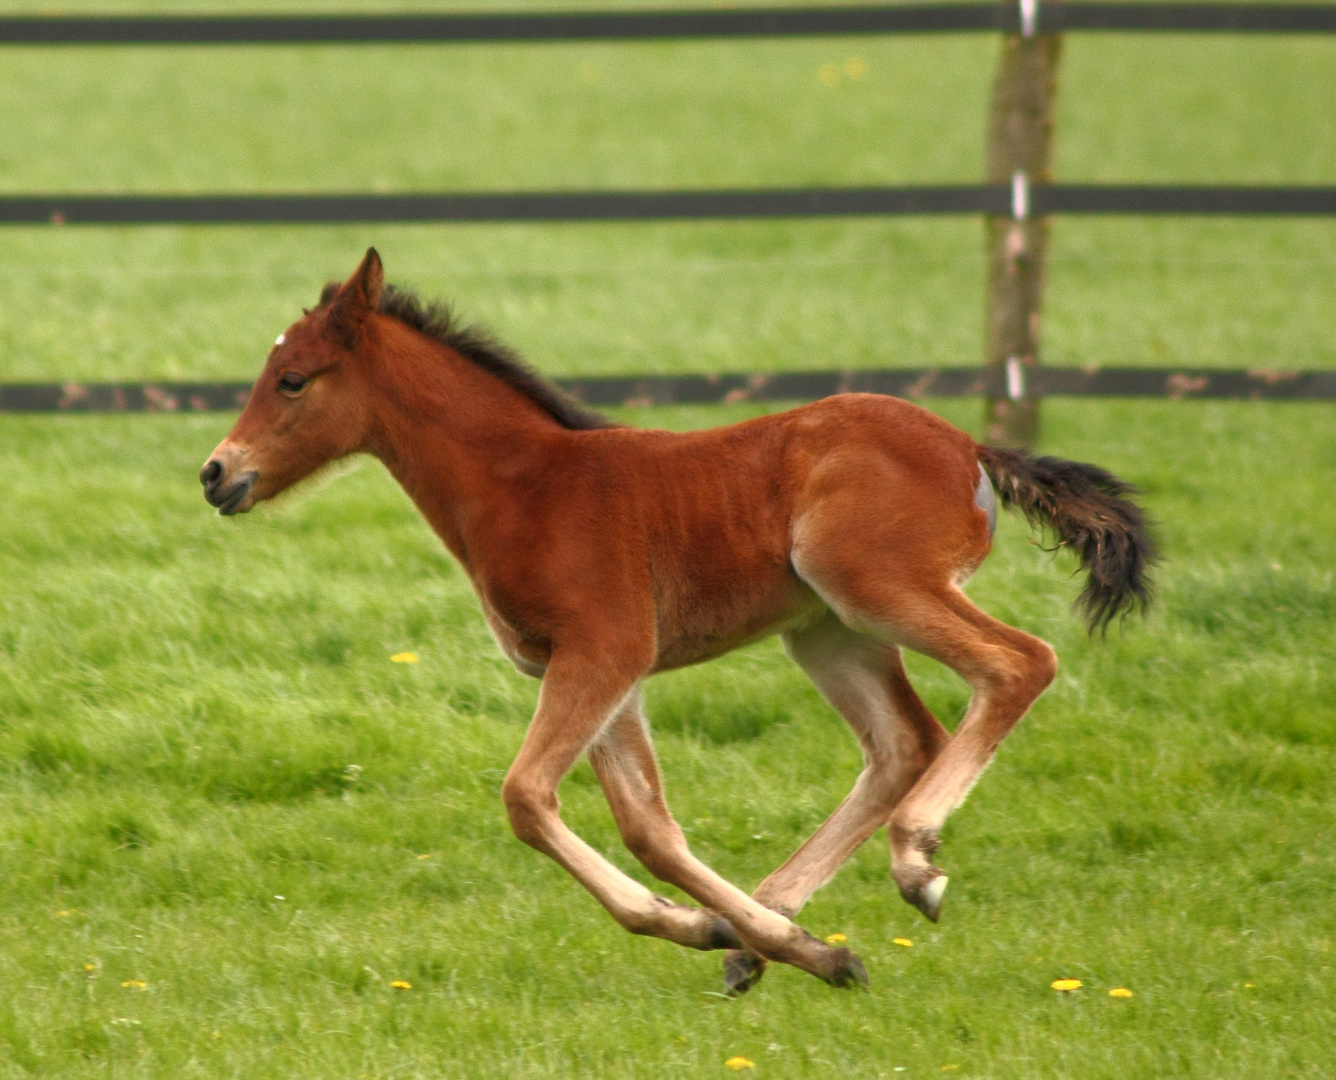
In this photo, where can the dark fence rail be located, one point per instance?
(331, 209)
(76, 397)
(465, 27)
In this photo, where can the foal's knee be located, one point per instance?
(529, 808)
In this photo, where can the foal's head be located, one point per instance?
(310, 404)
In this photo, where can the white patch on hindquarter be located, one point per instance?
(985, 498)
(280, 339)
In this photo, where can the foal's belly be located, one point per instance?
(699, 613)
(697, 628)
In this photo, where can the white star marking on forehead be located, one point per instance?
(280, 339)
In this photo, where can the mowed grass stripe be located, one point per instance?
(206, 304)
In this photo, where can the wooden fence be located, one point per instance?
(1016, 199)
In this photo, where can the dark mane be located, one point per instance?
(477, 345)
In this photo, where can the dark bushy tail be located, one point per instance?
(1087, 509)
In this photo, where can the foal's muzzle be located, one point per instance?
(228, 493)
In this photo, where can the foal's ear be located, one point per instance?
(358, 297)
(368, 279)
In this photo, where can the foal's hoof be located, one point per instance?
(930, 897)
(927, 894)
(846, 970)
(742, 971)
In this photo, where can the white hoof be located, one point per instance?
(932, 896)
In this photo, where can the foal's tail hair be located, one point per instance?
(1087, 509)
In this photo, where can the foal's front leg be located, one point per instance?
(580, 696)
(623, 758)
(575, 702)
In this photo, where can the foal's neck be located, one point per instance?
(466, 447)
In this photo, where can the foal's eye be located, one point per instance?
(292, 383)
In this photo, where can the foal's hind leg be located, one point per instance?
(1006, 669)
(884, 542)
(864, 680)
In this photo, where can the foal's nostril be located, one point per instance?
(213, 469)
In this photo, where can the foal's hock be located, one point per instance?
(601, 554)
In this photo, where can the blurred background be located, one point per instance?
(202, 303)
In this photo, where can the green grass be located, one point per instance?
(199, 716)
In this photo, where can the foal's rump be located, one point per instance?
(889, 488)
(896, 500)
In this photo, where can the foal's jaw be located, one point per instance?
(240, 497)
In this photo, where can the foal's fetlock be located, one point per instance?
(742, 970)
(723, 936)
(921, 883)
(910, 840)
(696, 928)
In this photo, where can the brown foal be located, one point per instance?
(602, 554)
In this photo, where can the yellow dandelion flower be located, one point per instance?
(829, 74)
(1066, 984)
(401, 984)
(90, 967)
(135, 984)
(404, 658)
(739, 1063)
(836, 939)
(1120, 992)
(63, 914)
(1250, 986)
(903, 941)
(855, 67)
(426, 856)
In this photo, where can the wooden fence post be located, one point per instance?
(1020, 139)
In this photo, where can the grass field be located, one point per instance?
(214, 782)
